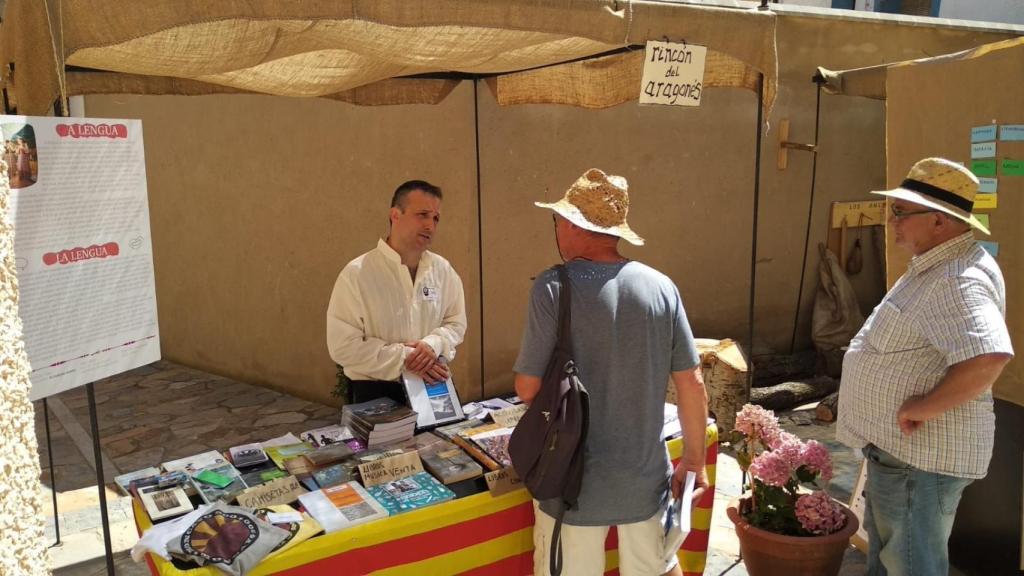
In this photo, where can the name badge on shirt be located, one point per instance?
(429, 294)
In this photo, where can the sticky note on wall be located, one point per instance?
(983, 167)
(1012, 167)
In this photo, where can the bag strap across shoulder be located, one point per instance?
(564, 340)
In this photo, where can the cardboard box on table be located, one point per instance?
(478, 535)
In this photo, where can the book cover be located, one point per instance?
(261, 474)
(421, 442)
(382, 416)
(211, 493)
(161, 503)
(342, 506)
(247, 455)
(320, 437)
(410, 493)
(449, 464)
(435, 403)
(370, 406)
(494, 443)
(336, 474)
(284, 440)
(329, 454)
(483, 408)
(192, 464)
(451, 430)
(281, 453)
(124, 480)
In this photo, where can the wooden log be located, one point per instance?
(773, 369)
(789, 394)
(828, 409)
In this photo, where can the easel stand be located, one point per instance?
(100, 485)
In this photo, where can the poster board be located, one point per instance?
(962, 95)
(82, 248)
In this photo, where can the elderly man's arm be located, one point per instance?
(527, 387)
(963, 382)
(692, 403)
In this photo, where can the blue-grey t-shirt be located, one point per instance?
(629, 332)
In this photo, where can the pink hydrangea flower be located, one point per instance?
(771, 468)
(757, 423)
(816, 457)
(818, 513)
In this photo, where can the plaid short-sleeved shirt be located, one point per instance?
(948, 307)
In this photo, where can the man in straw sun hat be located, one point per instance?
(629, 337)
(916, 387)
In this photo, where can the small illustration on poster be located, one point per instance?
(20, 154)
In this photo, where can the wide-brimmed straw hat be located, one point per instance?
(942, 185)
(597, 202)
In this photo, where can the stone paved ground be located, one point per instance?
(165, 411)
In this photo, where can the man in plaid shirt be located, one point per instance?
(916, 387)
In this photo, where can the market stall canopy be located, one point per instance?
(365, 52)
(869, 82)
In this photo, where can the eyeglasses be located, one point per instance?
(900, 213)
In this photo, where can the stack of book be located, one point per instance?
(381, 421)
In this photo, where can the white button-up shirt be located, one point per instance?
(376, 307)
(947, 308)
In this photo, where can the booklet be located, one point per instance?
(342, 506)
(435, 403)
(677, 517)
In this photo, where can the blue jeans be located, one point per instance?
(908, 517)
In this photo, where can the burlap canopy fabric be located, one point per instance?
(332, 49)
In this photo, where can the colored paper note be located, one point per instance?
(983, 167)
(985, 201)
(1012, 167)
(988, 185)
(983, 218)
(990, 247)
(983, 150)
(983, 133)
(1009, 132)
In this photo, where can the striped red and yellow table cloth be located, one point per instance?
(478, 535)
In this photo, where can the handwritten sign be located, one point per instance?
(988, 185)
(280, 491)
(392, 468)
(1012, 167)
(986, 201)
(983, 167)
(983, 133)
(1011, 132)
(673, 74)
(509, 417)
(983, 150)
(502, 481)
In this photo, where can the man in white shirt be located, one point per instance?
(398, 306)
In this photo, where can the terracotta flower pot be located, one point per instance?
(770, 554)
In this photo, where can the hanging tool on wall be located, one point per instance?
(855, 261)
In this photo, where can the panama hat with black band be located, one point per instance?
(941, 185)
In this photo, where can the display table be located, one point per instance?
(477, 535)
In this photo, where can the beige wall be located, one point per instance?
(257, 202)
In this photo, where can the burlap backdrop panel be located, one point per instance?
(321, 48)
